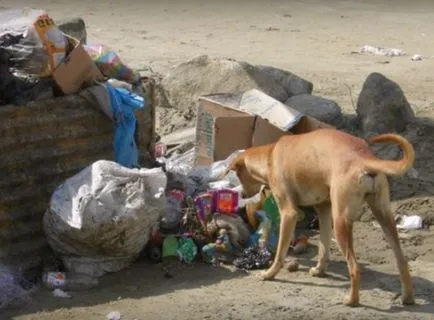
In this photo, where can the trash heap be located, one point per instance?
(103, 218)
(186, 209)
(39, 61)
(206, 219)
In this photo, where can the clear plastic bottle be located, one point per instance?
(69, 281)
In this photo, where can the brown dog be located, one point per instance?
(335, 172)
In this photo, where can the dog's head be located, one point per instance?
(250, 186)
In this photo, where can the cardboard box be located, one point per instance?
(76, 71)
(229, 122)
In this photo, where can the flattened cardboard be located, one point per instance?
(258, 103)
(76, 71)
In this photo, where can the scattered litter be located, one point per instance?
(265, 236)
(120, 84)
(221, 249)
(114, 315)
(382, 51)
(253, 258)
(293, 266)
(417, 57)
(68, 281)
(383, 62)
(413, 173)
(300, 245)
(110, 63)
(187, 250)
(59, 293)
(410, 222)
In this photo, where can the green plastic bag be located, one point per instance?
(170, 247)
(270, 207)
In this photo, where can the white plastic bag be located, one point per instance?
(197, 179)
(99, 220)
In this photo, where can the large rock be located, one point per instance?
(292, 83)
(74, 27)
(320, 108)
(382, 106)
(203, 75)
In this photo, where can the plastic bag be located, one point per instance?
(197, 179)
(11, 292)
(42, 45)
(99, 220)
(110, 64)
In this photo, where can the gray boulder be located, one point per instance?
(74, 27)
(292, 83)
(203, 75)
(320, 108)
(382, 106)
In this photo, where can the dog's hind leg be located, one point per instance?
(325, 228)
(342, 205)
(379, 203)
(288, 220)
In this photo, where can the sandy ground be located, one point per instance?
(314, 40)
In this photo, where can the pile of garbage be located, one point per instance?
(39, 61)
(208, 208)
(103, 218)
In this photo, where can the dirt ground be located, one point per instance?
(314, 39)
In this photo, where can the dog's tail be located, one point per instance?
(392, 167)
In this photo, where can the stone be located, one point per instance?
(292, 83)
(382, 106)
(74, 27)
(320, 108)
(204, 75)
(187, 81)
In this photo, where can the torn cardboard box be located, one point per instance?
(76, 71)
(229, 122)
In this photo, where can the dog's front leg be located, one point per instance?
(288, 220)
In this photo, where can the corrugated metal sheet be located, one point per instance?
(42, 144)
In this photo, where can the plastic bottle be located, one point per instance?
(69, 281)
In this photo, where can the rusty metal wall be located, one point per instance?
(42, 144)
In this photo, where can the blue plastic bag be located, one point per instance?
(123, 104)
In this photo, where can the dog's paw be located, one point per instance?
(264, 276)
(407, 301)
(350, 301)
(317, 272)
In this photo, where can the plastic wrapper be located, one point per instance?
(110, 64)
(253, 258)
(99, 220)
(40, 44)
